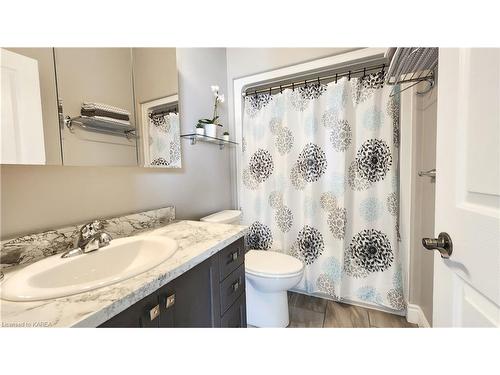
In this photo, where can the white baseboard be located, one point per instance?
(415, 315)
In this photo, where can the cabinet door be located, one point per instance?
(144, 313)
(236, 316)
(192, 299)
(231, 288)
(168, 299)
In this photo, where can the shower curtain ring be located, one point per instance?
(336, 75)
(349, 75)
(281, 90)
(293, 86)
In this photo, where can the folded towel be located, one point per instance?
(104, 107)
(109, 119)
(100, 112)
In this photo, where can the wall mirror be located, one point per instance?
(157, 106)
(90, 107)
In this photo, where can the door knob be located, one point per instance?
(442, 244)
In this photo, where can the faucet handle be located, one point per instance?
(91, 228)
(98, 240)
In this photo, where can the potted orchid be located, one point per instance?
(225, 136)
(212, 124)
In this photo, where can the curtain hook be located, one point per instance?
(349, 75)
(364, 73)
(305, 83)
(256, 94)
(281, 90)
(270, 88)
(336, 75)
(319, 84)
(293, 86)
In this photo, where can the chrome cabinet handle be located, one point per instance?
(154, 312)
(443, 244)
(170, 301)
(236, 285)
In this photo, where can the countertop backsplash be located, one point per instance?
(30, 248)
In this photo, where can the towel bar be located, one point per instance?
(101, 126)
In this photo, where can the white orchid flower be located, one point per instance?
(220, 98)
(214, 88)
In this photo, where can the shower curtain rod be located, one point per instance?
(305, 82)
(172, 109)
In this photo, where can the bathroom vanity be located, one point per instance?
(212, 294)
(202, 284)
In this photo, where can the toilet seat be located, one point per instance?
(271, 264)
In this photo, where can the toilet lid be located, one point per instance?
(223, 217)
(271, 263)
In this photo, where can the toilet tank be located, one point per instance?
(223, 217)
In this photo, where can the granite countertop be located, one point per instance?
(197, 241)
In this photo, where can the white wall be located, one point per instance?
(35, 198)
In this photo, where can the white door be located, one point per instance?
(467, 285)
(21, 110)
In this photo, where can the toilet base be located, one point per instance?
(266, 309)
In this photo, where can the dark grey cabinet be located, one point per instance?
(212, 294)
(236, 316)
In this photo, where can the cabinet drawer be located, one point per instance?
(236, 316)
(231, 258)
(231, 288)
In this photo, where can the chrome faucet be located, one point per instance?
(91, 238)
(96, 241)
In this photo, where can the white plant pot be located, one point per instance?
(226, 138)
(211, 130)
(200, 131)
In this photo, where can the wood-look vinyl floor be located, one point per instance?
(313, 312)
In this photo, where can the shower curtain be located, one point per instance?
(164, 140)
(320, 182)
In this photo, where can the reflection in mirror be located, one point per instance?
(96, 96)
(29, 119)
(156, 103)
(90, 107)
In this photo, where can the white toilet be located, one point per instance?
(269, 275)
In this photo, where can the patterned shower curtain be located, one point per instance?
(320, 182)
(164, 140)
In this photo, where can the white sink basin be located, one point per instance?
(55, 277)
